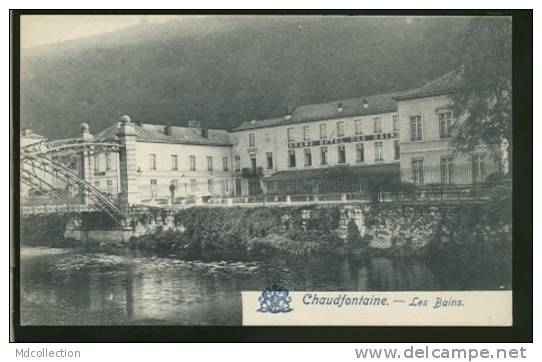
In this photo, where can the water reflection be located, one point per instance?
(71, 287)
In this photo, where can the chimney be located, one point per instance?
(287, 113)
(168, 130)
(365, 103)
(339, 107)
(194, 124)
(205, 132)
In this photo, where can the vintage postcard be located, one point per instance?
(269, 170)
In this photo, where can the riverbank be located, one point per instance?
(470, 231)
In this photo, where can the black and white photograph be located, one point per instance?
(237, 169)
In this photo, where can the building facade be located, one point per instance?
(427, 123)
(164, 162)
(338, 146)
(355, 133)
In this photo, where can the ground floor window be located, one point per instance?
(291, 158)
(447, 170)
(253, 161)
(360, 152)
(210, 187)
(396, 150)
(110, 186)
(225, 187)
(323, 155)
(238, 190)
(308, 157)
(341, 154)
(153, 188)
(237, 161)
(479, 169)
(379, 151)
(417, 171)
(193, 186)
(269, 156)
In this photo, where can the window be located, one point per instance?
(340, 129)
(417, 171)
(96, 163)
(251, 140)
(225, 163)
(416, 133)
(108, 161)
(342, 154)
(395, 123)
(269, 157)
(253, 161)
(291, 158)
(174, 163)
(308, 157)
(192, 163)
(445, 124)
(396, 150)
(109, 186)
(210, 186)
(478, 168)
(267, 137)
(290, 132)
(359, 127)
(193, 186)
(225, 187)
(377, 123)
(447, 170)
(306, 133)
(97, 184)
(360, 152)
(210, 163)
(153, 188)
(237, 160)
(323, 131)
(323, 155)
(379, 151)
(152, 161)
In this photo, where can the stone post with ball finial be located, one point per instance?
(126, 134)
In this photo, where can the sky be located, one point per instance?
(39, 30)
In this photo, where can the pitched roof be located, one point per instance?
(270, 122)
(360, 106)
(442, 85)
(28, 133)
(182, 135)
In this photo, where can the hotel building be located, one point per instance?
(360, 133)
(319, 148)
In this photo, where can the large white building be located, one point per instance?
(298, 149)
(330, 147)
(426, 122)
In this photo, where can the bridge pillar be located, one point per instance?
(129, 193)
(87, 160)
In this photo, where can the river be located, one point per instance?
(126, 287)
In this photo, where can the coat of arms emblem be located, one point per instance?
(275, 300)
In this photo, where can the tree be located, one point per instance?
(483, 98)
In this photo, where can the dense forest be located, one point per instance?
(224, 70)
